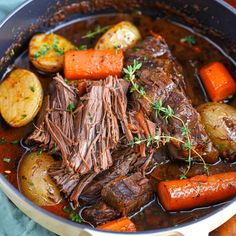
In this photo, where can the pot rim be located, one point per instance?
(4, 182)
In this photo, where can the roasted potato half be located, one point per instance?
(34, 181)
(46, 51)
(220, 123)
(122, 35)
(21, 96)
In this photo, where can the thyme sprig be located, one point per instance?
(164, 112)
(98, 30)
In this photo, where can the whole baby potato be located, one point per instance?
(220, 123)
(34, 182)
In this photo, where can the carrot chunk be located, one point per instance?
(93, 64)
(139, 116)
(217, 81)
(176, 195)
(123, 224)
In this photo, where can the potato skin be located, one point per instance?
(220, 123)
(34, 182)
(21, 96)
(46, 51)
(122, 36)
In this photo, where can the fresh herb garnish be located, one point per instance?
(116, 47)
(14, 141)
(190, 40)
(81, 47)
(135, 49)
(54, 149)
(6, 159)
(98, 30)
(45, 48)
(67, 81)
(76, 218)
(71, 107)
(30, 183)
(183, 176)
(40, 151)
(42, 51)
(2, 141)
(90, 117)
(55, 46)
(141, 213)
(221, 145)
(66, 209)
(23, 116)
(166, 113)
(32, 89)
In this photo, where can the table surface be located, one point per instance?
(227, 229)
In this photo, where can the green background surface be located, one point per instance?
(12, 221)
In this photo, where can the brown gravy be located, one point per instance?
(153, 216)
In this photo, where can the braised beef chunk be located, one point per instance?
(126, 161)
(123, 164)
(100, 213)
(199, 138)
(128, 194)
(163, 81)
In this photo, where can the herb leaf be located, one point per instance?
(190, 40)
(42, 51)
(2, 141)
(81, 47)
(55, 46)
(32, 89)
(98, 30)
(6, 159)
(23, 116)
(14, 141)
(182, 176)
(71, 107)
(76, 218)
(66, 209)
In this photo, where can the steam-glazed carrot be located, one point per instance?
(93, 64)
(217, 81)
(123, 224)
(198, 191)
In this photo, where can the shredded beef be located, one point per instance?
(162, 79)
(86, 136)
(55, 127)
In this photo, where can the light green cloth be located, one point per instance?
(12, 221)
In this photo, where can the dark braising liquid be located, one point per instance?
(153, 216)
